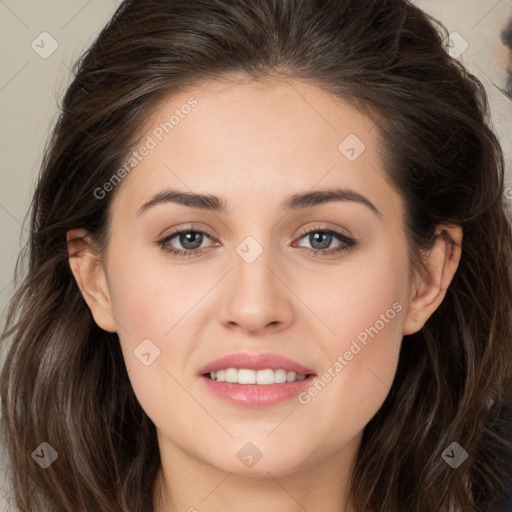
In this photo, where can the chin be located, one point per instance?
(260, 458)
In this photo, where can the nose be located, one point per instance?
(256, 297)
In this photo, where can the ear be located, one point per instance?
(431, 282)
(87, 268)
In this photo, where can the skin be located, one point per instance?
(254, 144)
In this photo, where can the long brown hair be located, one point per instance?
(64, 380)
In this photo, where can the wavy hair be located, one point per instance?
(64, 380)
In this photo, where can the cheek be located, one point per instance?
(355, 382)
(365, 314)
(145, 314)
(363, 300)
(150, 297)
(155, 306)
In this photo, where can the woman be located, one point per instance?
(269, 267)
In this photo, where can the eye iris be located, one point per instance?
(314, 237)
(191, 240)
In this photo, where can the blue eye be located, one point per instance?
(320, 240)
(191, 241)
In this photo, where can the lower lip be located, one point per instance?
(256, 395)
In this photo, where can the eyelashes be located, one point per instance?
(192, 245)
(165, 243)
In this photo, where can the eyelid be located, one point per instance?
(189, 226)
(318, 227)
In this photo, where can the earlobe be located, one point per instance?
(87, 268)
(429, 287)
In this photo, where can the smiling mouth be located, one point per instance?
(263, 377)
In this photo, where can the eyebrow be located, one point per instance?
(294, 202)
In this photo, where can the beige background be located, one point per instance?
(31, 86)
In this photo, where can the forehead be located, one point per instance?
(252, 139)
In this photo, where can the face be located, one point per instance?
(271, 277)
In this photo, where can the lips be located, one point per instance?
(259, 379)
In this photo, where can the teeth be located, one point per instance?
(280, 376)
(231, 375)
(244, 376)
(290, 376)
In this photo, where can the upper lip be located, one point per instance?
(255, 362)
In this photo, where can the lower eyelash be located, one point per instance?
(316, 252)
(347, 243)
(184, 254)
